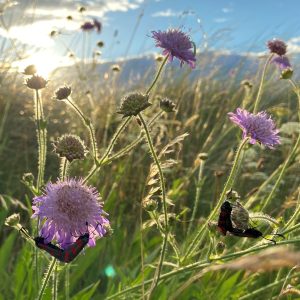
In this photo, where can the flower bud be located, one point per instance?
(203, 156)
(286, 73)
(116, 68)
(30, 70)
(132, 104)
(63, 93)
(100, 44)
(220, 248)
(70, 146)
(28, 177)
(167, 105)
(12, 220)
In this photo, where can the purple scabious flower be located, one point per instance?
(277, 46)
(282, 62)
(259, 127)
(176, 44)
(87, 26)
(66, 207)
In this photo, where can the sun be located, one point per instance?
(45, 62)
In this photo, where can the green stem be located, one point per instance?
(88, 124)
(295, 214)
(46, 280)
(157, 74)
(64, 168)
(164, 202)
(200, 265)
(67, 282)
(106, 154)
(197, 198)
(227, 186)
(55, 282)
(260, 89)
(290, 156)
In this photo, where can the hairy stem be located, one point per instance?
(157, 74)
(64, 168)
(164, 202)
(260, 89)
(46, 278)
(88, 124)
(109, 149)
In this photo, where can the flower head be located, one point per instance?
(36, 82)
(63, 92)
(67, 206)
(133, 103)
(277, 46)
(176, 44)
(87, 26)
(70, 146)
(259, 127)
(282, 62)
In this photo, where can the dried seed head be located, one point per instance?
(100, 44)
(116, 68)
(70, 146)
(203, 156)
(12, 220)
(81, 9)
(36, 82)
(69, 18)
(220, 248)
(30, 70)
(63, 93)
(53, 33)
(286, 73)
(167, 105)
(247, 84)
(132, 104)
(149, 204)
(159, 58)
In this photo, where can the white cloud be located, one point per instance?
(227, 10)
(220, 20)
(294, 45)
(166, 13)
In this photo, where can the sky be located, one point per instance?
(239, 26)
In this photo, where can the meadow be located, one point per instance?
(163, 172)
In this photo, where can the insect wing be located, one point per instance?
(224, 221)
(50, 248)
(73, 250)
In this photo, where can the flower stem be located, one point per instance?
(88, 124)
(157, 74)
(55, 282)
(227, 186)
(64, 168)
(42, 139)
(164, 202)
(109, 148)
(46, 279)
(290, 157)
(260, 89)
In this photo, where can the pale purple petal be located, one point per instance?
(259, 127)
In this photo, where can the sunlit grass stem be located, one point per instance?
(291, 155)
(261, 85)
(229, 183)
(87, 122)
